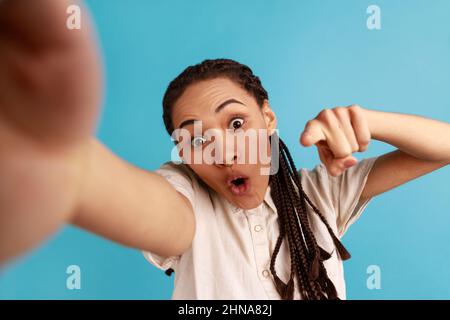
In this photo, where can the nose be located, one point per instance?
(227, 163)
(226, 151)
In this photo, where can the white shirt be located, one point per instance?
(230, 254)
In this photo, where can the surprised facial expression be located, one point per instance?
(225, 139)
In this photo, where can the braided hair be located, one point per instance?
(286, 190)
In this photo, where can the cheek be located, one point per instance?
(258, 147)
(197, 168)
(206, 172)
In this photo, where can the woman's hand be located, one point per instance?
(337, 134)
(50, 78)
(50, 90)
(51, 169)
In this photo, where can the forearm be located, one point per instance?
(38, 188)
(423, 138)
(50, 84)
(132, 206)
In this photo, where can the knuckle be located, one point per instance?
(344, 148)
(363, 145)
(355, 108)
(355, 147)
(341, 114)
(311, 123)
(364, 139)
(340, 110)
(325, 114)
(343, 152)
(364, 142)
(347, 151)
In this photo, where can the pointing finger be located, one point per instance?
(312, 134)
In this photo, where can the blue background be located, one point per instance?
(310, 55)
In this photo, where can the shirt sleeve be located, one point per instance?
(345, 191)
(178, 176)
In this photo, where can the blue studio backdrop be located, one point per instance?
(310, 55)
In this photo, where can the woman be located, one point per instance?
(242, 228)
(227, 230)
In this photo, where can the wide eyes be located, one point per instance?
(198, 141)
(235, 123)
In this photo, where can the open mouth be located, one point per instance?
(239, 185)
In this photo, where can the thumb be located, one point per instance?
(346, 162)
(336, 167)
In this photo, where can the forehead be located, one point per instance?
(201, 98)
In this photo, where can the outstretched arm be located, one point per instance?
(132, 206)
(52, 170)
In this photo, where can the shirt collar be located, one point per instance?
(269, 201)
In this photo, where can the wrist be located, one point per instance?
(374, 120)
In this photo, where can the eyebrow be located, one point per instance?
(217, 110)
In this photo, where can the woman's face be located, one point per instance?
(223, 107)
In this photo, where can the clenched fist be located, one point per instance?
(337, 134)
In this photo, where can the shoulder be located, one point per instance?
(178, 173)
(174, 168)
(185, 181)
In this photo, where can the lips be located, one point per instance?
(238, 184)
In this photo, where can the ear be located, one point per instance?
(269, 116)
